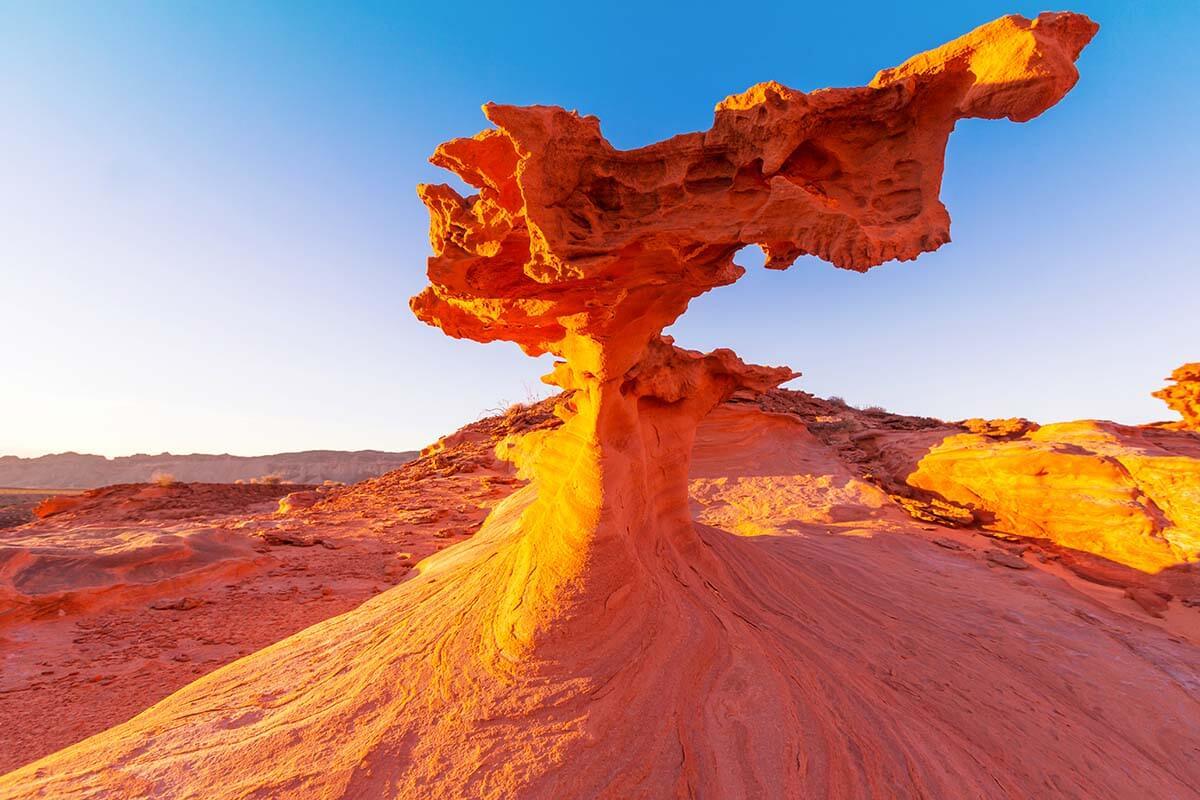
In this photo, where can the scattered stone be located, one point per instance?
(182, 604)
(1005, 559)
(1153, 603)
(297, 500)
(284, 539)
(950, 544)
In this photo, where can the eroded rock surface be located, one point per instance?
(1184, 395)
(592, 639)
(1130, 495)
(132, 592)
(1117, 504)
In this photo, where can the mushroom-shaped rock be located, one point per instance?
(576, 248)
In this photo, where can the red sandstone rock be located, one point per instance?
(1184, 396)
(592, 639)
(158, 592)
(1129, 495)
(1116, 504)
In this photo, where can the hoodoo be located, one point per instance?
(592, 639)
(575, 248)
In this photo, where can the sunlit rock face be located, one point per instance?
(1184, 395)
(1129, 495)
(575, 248)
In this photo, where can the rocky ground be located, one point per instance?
(17, 504)
(121, 595)
(118, 597)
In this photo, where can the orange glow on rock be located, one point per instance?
(592, 640)
(575, 248)
(1184, 396)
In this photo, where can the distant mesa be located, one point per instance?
(79, 471)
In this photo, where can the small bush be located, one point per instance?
(163, 479)
(875, 410)
(268, 480)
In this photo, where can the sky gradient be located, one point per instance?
(209, 229)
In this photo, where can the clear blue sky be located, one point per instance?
(209, 231)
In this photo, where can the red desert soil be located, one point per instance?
(692, 597)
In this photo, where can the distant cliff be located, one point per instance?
(79, 471)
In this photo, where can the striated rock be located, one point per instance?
(999, 428)
(592, 640)
(1005, 559)
(1129, 495)
(76, 588)
(1184, 396)
(758, 474)
(1153, 603)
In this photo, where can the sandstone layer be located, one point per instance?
(1184, 395)
(1129, 495)
(129, 595)
(879, 606)
(1115, 504)
(760, 475)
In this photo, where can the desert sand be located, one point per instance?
(673, 579)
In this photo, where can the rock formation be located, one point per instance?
(575, 248)
(1129, 495)
(592, 640)
(1184, 396)
(76, 670)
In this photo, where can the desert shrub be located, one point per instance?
(163, 479)
(837, 400)
(268, 480)
(505, 408)
(875, 410)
